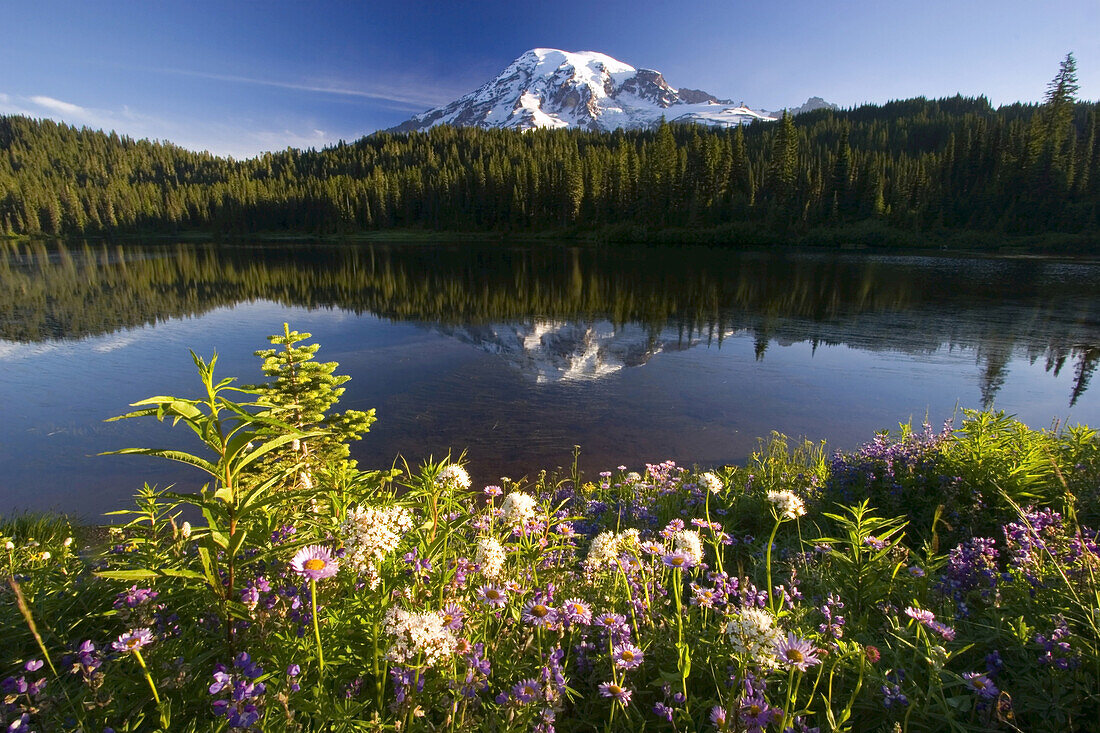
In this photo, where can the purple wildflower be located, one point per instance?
(797, 653)
(981, 685)
(620, 694)
(133, 640)
(452, 615)
(314, 562)
(576, 612)
(526, 690)
(627, 656)
(538, 614)
(679, 560)
(492, 595)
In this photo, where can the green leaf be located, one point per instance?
(236, 541)
(172, 455)
(139, 574)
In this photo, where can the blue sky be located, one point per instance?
(239, 78)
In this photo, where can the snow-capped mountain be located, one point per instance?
(546, 87)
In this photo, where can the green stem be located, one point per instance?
(710, 528)
(153, 687)
(316, 627)
(768, 563)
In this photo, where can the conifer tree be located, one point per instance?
(301, 393)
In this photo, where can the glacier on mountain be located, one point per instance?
(549, 88)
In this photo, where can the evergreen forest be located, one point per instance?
(915, 167)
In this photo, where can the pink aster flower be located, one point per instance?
(492, 595)
(452, 615)
(539, 614)
(314, 562)
(618, 693)
(627, 656)
(133, 640)
(679, 560)
(920, 614)
(797, 653)
(576, 611)
(981, 684)
(526, 691)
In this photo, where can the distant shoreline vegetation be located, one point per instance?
(950, 172)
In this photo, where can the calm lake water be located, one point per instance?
(517, 353)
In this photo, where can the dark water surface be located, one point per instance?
(517, 353)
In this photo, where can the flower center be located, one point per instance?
(754, 709)
(628, 655)
(795, 656)
(492, 595)
(314, 563)
(539, 611)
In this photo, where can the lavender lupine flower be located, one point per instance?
(553, 678)
(797, 653)
(133, 640)
(314, 562)
(134, 597)
(242, 708)
(618, 693)
(627, 656)
(1057, 651)
(87, 661)
(981, 685)
(403, 679)
(292, 673)
(663, 711)
(971, 567)
(834, 623)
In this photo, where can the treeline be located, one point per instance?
(916, 165)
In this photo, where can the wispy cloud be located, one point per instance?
(220, 138)
(415, 95)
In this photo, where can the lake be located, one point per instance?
(515, 353)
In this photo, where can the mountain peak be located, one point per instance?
(551, 88)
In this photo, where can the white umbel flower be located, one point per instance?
(710, 482)
(371, 533)
(417, 634)
(518, 508)
(787, 504)
(453, 478)
(489, 557)
(688, 542)
(753, 634)
(607, 546)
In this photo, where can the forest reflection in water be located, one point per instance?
(562, 320)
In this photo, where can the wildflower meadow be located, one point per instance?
(936, 579)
